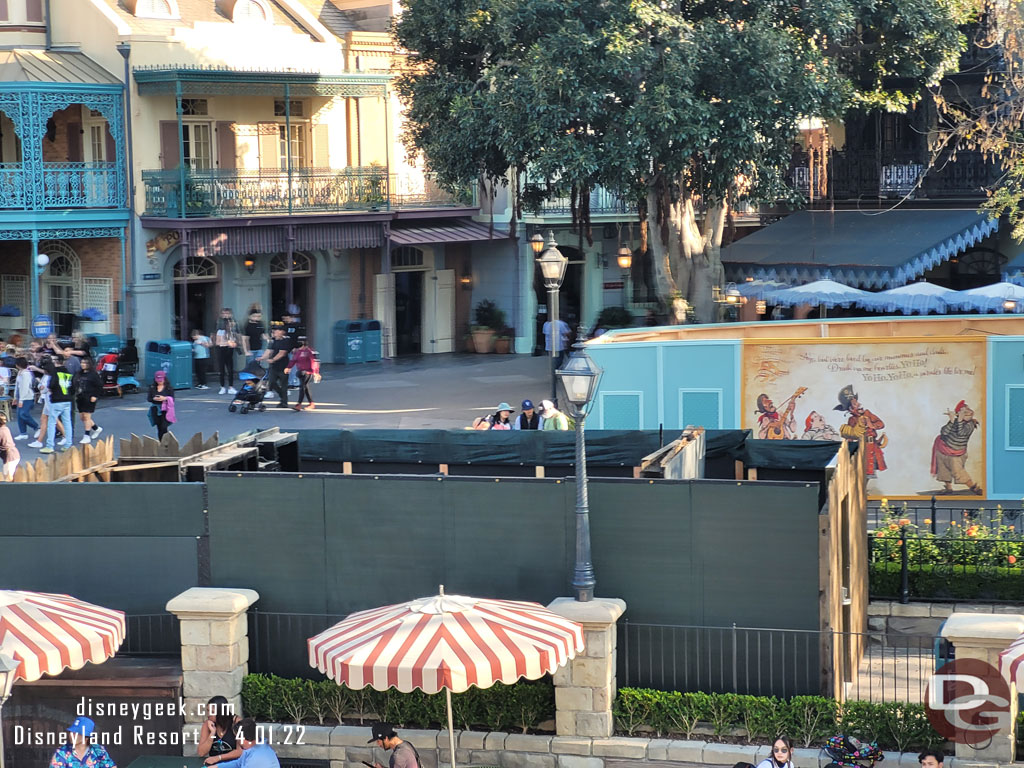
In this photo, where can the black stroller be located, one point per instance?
(848, 752)
(252, 390)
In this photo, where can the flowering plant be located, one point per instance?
(93, 315)
(9, 310)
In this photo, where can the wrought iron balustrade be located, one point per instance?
(602, 201)
(62, 185)
(232, 192)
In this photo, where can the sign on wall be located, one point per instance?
(918, 405)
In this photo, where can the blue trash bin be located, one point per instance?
(348, 341)
(172, 356)
(371, 341)
(102, 343)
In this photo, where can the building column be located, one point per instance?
(983, 637)
(214, 644)
(585, 687)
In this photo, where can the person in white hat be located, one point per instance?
(553, 418)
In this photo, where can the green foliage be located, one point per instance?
(808, 720)
(521, 706)
(487, 315)
(615, 317)
(960, 583)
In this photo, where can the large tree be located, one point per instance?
(683, 108)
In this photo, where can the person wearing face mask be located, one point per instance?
(782, 754)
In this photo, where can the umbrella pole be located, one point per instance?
(1, 733)
(451, 727)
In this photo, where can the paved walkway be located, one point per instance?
(423, 392)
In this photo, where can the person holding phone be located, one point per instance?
(403, 754)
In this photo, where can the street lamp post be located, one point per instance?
(8, 667)
(625, 260)
(580, 376)
(552, 268)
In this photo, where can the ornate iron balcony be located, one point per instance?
(602, 201)
(62, 185)
(231, 192)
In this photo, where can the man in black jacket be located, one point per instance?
(528, 419)
(88, 389)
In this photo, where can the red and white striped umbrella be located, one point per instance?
(48, 633)
(447, 642)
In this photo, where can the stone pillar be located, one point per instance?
(214, 644)
(585, 687)
(984, 637)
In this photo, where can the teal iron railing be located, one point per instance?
(62, 185)
(232, 192)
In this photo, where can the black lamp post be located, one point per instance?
(552, 268)
(580, 376)
(8, 667)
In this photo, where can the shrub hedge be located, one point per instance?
(961, 582)
(808, 720)
(522, 706)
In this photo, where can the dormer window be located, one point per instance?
(153, 9)
(246, 11)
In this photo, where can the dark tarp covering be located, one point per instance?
(604, 447)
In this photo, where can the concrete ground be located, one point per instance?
(425, 392)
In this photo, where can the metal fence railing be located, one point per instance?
(277, 641)
(936, 516)
(152, 634)
(774, 662)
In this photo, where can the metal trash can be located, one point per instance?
(102, 343)
(348, 341)
(371, 341)
(172, 356)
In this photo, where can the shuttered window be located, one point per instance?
(1015, 417)
(622, 410)
(700, 408)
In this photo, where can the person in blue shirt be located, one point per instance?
(254, 755)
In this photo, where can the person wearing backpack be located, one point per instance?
(403, 754)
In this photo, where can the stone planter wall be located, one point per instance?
(914, 619)
(345, 746)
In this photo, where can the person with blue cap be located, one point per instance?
(528, 419)
(81, 750)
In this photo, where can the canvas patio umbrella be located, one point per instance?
(998, 297)
(448, 642)
(44, 634)
(921, 297)
(826, 293)
(758, 289)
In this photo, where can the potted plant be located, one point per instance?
(10, 318)
(92, 320)
(488, 320)
(503, 341)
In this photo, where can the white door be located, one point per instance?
(439, 311)
(384, 310)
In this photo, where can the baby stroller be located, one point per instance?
(252, 389)
(113, 375)
(848, 752)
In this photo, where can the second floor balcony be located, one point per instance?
(61, 185)
(234, 192)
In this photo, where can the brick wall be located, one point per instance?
(56, 151)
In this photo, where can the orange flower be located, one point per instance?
(927, 521)
(879, 534)
(1011, 559)
(904, 521)
(893, 526)
(899, 543)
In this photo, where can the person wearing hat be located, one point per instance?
(277, 355)
(862, 424)
(554, 419)
(528, 419)
(80, 750)
(497, 420)
(949, 449)
(403, 754)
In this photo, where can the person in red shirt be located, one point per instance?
(304, 361)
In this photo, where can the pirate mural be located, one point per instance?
(815, 428)
(862, 424)
(772, 425)
(949, 451)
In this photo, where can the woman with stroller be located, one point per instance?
(88, 388)
(304, 361)
(161, 412)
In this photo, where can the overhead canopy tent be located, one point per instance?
(869, 250)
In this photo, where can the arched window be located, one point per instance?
(62, 280)
(196, 268)
(153, 9)
(406, 256)
(251, 11)
(302, 264)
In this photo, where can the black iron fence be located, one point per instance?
(775, 662)
(152, 634)
(277, 642)
(936, 515)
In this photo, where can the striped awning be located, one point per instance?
(248, 241)
(445, 642)
(1011, 662)
(462, 231)
(48, 633)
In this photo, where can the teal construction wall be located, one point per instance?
(1005, 413)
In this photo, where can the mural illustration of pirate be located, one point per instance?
(949, 451)
(815, 428)
(772, 425)
(862, 424)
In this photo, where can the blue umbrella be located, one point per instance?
(825, 293)
(998, 297)
(758, 289)
(921, 297)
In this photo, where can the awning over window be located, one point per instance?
(463, 231)
(884, 249)
(246, 241)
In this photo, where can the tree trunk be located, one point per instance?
(661, 257)
(706, 263)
